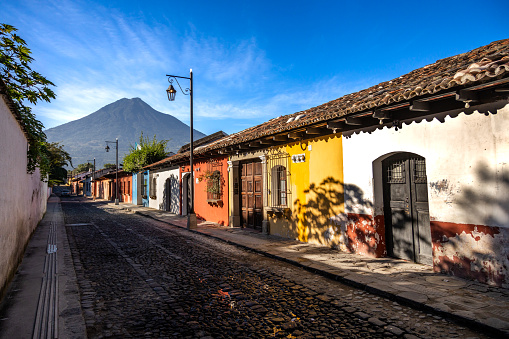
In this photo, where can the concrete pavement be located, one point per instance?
(43, 298)
(470, 303)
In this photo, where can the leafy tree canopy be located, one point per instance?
(57, 158)
(146, 152)
(83, 168)
(109, 165)
(23, 84)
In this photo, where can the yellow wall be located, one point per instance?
(316, 192)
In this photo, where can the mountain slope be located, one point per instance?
(124, 119)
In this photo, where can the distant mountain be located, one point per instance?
(124, 119)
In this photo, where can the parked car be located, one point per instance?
(65, 192)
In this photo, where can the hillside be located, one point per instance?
(124, 119)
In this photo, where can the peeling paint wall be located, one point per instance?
(472, 251)
(23, 199)
(467, 167)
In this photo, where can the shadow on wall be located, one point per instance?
(361, 232)
(479, 250)
(170, 201)
(322, 219)
(312, 220)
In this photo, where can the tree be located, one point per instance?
(109, 165)
(23, 84)
(83, 168)
(145, 153)
(58, 158)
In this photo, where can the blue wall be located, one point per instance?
(135, 189)
(145, 178)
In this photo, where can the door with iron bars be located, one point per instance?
(251, 194)
(406, 208)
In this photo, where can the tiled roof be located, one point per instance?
(467, 69)
(203, 141)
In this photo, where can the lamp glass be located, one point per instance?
(171, 93)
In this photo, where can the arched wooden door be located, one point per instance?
(406, 208)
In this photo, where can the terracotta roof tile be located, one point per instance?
(469, 68)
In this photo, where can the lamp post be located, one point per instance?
(191, 216)
(116, 166)
(93, 180)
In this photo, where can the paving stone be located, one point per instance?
(160, 281)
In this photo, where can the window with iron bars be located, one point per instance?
(278, 179)
(214, 177)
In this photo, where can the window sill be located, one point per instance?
(279, 211)
(214, 201)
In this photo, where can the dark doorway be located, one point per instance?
(186, 194)
(251, 194)
(406, 208)
(167, 196)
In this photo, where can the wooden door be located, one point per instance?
(406, 208)
(251, 194)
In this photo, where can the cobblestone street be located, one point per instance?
(142, 278)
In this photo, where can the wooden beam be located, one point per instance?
(466, 95)
(335, 125)
(420, 106)
(295, 135)
(502, 90)
(313, 130)
(280, 138)
(353, 121)
(379, 114)
(254, 144)
(266, 142)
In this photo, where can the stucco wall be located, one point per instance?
(467, 167)
(316, 192)
(162, 194)
(216, 211)
(23, 199)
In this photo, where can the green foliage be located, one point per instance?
(109, 165)
(145, 153)
(57, 158)
(213, 179)
(24, 84)
(83, 168)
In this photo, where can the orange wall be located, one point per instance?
(214, 212)
(125, 190)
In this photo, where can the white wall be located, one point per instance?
(160, 202)
(467, 164)
(23, 199)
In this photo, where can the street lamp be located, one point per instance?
(191, 216)
(116, 166)
(93, 179)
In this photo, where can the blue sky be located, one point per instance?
(251, 60)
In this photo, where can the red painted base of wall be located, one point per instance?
(469, 251)
(366, 235)
(475, 252)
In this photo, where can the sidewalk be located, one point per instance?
(43, 298)
(473, 304)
